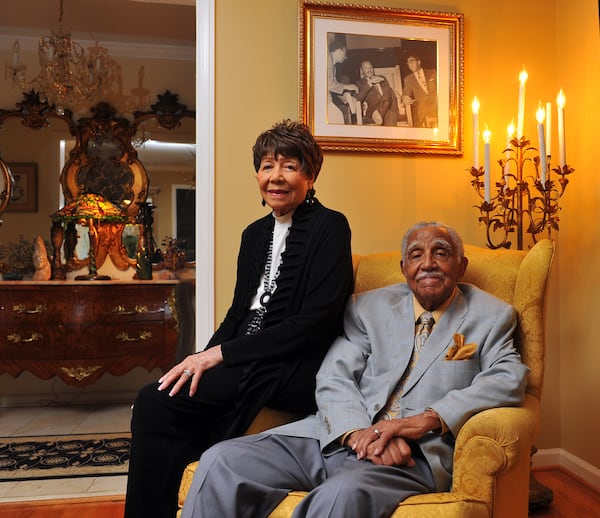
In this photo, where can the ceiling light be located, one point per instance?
(70, 77)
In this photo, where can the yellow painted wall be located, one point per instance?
(578, 265)
(257, 84)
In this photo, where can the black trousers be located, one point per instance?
(170, 432)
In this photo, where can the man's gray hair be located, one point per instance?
(456, 239)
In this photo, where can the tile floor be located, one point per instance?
(51, 420)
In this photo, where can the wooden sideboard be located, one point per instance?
(79, 331)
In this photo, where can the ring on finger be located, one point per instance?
(377, 433)
(187, 373)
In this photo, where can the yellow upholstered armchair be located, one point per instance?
(493, 449)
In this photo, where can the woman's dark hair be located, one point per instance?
(291, 140)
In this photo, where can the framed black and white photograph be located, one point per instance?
(382, 79)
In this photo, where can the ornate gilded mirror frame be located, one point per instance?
(102, 162)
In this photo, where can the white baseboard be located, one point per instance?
(568, 461)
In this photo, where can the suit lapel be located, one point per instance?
(400, 339)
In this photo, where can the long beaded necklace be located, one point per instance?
(269, 286)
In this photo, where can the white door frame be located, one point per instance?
(205, 170)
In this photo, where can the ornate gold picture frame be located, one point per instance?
(377, 79)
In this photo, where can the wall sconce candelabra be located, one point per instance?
(525, 199)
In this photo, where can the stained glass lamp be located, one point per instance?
(89, 209)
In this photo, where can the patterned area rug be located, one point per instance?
(63, 456)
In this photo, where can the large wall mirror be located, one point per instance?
(148, 161)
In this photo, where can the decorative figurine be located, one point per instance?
(43, 270)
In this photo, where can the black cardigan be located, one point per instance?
(304, 314)
(315, 281)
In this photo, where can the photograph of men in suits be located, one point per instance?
(415, 362)
(378, 100)
(420, 91)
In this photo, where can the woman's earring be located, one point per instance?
(310, 196)
(263, 202)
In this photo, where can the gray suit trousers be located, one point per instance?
(250, 476)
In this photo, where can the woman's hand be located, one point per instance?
(397, 452)
(370, 444)
(191, 367)
(360, 440)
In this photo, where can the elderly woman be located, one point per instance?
(294, 276)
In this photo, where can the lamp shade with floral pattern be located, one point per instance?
(89, 206)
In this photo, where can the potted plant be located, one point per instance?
(174, 254)
(16, 258)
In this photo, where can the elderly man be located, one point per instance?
(415, 362)
(379, 101)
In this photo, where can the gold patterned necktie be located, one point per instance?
(424, 325)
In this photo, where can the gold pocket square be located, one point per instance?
(459, 350)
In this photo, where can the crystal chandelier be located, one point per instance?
(71, 77)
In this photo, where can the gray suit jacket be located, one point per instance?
(363, 367)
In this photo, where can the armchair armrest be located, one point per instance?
(491, 464)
